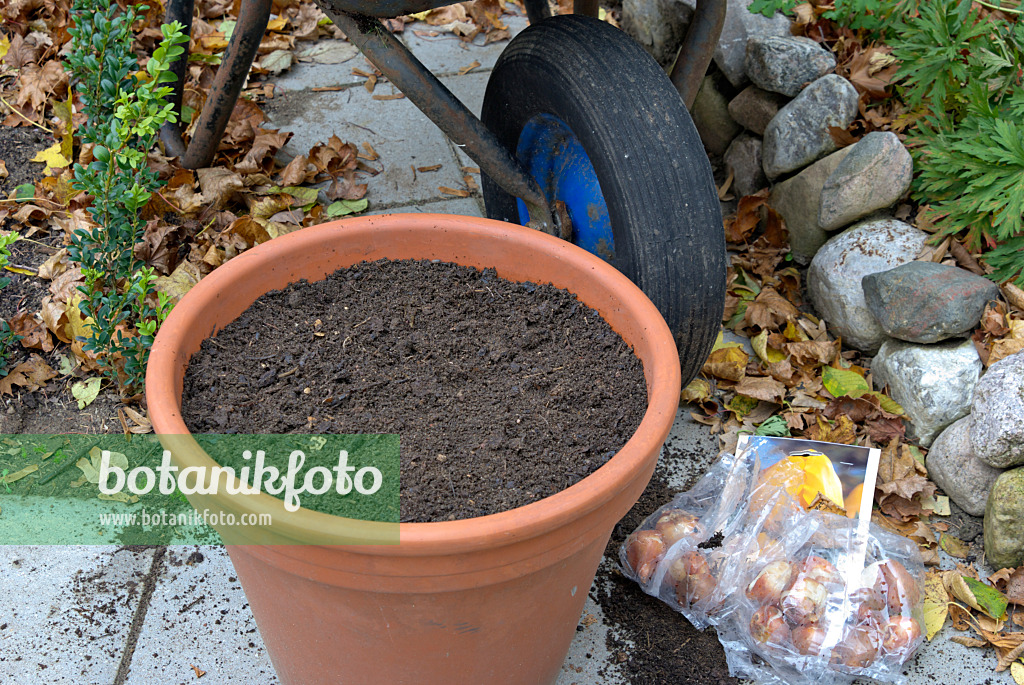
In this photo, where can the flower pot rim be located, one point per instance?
(513, 525)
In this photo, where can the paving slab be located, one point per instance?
(198, 617)
(309, 75)
(464, 206)
(67, 612)
(402, 135)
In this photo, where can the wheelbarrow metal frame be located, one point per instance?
(359, 20)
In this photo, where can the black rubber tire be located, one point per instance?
(653, 171)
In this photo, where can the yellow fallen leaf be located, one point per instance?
(729, 363)
(53, 158)
(181, 280)
(768, 355)
(18, 475)
(1017, 671)
(277, 24)
(78, 325)
(697, 391)
(5, 45)
(719, 341)
(62, 110)
(90, 466)
(936, 604)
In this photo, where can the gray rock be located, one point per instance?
(1004, 521)
(797, 200)
(874, 176)
(997, 414)
(925, 302)
(740, 26)
(933, 383)
(786, 64)
(834, 277)
(710, 114)
(658, 25)
(754, 108)
(798, 135)
(744, 158)
(954, 468)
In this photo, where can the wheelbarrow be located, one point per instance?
(582, 135)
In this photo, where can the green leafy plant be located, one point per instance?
(962, 73)
(125, 109)
(872, 16)
(7, 336)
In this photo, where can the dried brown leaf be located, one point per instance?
(31, 375)
(219, 186)
(33, 332)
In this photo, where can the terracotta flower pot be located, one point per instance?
(493, 599)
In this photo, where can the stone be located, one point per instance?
(925, 302)
(658, 25)
(874, 176)
(786, 64)
(710, 114)
(997, 414)
(798, 135)
(744, 159)
(933, 383)
(1004, 521)
(797, 200)
(739, 27)
(754, 108)
(834, 277)
(954, 468)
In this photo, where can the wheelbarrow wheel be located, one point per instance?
(599, 125)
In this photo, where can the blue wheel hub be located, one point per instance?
(551, 153)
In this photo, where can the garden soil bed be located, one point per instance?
(503, 393)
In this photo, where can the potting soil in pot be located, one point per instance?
(503, 393)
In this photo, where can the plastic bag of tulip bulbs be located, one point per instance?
(679, 552)
(824, 599)
(797, 596)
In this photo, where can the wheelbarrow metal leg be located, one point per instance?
(180, 11)
(588, 8)
(698, 48)
(236, 62)
(537, 10)
(431, 96)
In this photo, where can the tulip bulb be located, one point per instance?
(692, 577)
(894, 582)
(902, 637)
(858, 649)
(816, 568)
(676, 524)
(804, 601)
(771, 582)
(644, 550)
(768, 626)
(809, 639)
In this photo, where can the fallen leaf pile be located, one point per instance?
(993, 610)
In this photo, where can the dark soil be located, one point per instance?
(503, 393)
(665, 647)
(18, 145)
